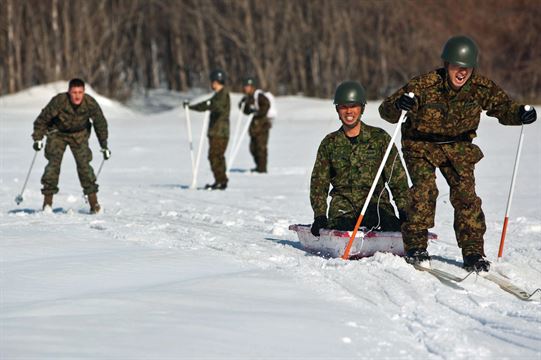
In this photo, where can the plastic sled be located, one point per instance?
(332, 243)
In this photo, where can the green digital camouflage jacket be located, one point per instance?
(219, 105)
(351, 169)
(60, 115)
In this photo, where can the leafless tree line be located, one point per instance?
(291, 46)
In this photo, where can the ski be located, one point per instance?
(505, 284)
(443, 276)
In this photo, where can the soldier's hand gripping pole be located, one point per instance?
(19, 198)
(512, 187)
(200, 149)
(378, 174)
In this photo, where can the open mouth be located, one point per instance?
(460, 78)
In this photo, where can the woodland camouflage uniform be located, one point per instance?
(218, 131)
(66, 124)
(438, 133)
(350, 166)
(259, 129)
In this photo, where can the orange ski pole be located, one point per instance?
(512, 188)
(373, 188)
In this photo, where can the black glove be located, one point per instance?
(527, 116)
(320, 222)
(106, 153)
(38, 145)
(405, 102)
(250, 110)
(185, 103)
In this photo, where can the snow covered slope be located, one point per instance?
(169, 272)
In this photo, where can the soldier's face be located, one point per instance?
(349, 114)
(248, 89)
(458, 75)
(76, 94)
(216, 85)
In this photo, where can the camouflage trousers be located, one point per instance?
(469, 220)
(259, 138)
(54, 152)
(217, 147)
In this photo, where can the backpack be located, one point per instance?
(271, 113)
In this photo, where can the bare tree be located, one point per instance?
(291, 46)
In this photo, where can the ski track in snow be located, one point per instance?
(161, 256)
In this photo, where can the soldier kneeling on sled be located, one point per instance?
(348, 159)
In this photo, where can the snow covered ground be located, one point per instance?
(169, 272)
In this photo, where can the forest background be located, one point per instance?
(291, 46)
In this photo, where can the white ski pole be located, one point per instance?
(236, 133)
(200, 149)
(97, 176)
(99, 169)
(378, 174)
(512, 187)
(190, 140)
(239, 143)
(19, 198)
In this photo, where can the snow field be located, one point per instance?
(169, 272)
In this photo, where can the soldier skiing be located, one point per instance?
(65, 121)
(441, 123)
(218, 131)
(348, 159)
(257, 103)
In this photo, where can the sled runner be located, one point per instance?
(331, 243)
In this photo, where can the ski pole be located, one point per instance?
(200, 149)
(512, 187)
(97, 175)
(378, 174)
(237, 147)
(99, 169)
(190, 141)
(236, 133)
(19, 198)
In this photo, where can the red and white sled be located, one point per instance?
(331, 243)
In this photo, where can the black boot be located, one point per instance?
(476, 263)
(416, 256)
(216, 186)
(258, 170)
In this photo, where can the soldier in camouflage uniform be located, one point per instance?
(260, 125)
(441, 123)
(218, 131)
(66, 122)
(348, 159)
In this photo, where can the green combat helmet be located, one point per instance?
(350, 92)
(460, 50)
(218, 75)
(249, 80)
